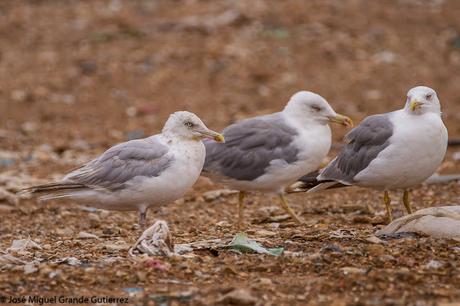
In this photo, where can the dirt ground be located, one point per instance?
(79, 76)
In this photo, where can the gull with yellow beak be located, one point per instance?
(267, 153)
(396, 150)
(140, 173)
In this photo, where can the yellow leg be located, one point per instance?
(387, 201)
(407, 202)
(288, 209)
(241, 197)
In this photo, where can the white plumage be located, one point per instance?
(395, 150)
(267, 153)
(139, 173)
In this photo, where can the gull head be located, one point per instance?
(421, 100)
(188, 126)
(308, 106)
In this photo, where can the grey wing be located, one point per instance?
(250, 146)
(123, 162)
(364, 143)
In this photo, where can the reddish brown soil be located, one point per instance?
(80, 76)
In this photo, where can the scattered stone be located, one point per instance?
(72, 261)
(264, 281)
(207, 24)
(64, 232)
(238, 297)
(8, 197)
(22, 245)
(10, 259)
(374, 239)
(85, 235)
(4, 209)
(18, 95)
(265, 233)
(361, 219)
(30, 268)
(434, 264)
(352, 270)
(120, 246)
(212, 195)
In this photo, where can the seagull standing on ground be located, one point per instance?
(395, 150)
(140, 173)
(267, 153)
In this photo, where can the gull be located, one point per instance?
(140, 173)
(391, 151)
(267, 153)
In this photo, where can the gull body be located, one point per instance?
(313, 145)
(410, 159)
(390, 151)
(143, 191)
(141, 173)
(267, 153)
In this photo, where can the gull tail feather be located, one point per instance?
(307, 187)
(310, 183)
(52, 188)
(324, 186)
(53, 196)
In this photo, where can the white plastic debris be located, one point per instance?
(156, 241)
(439, 222)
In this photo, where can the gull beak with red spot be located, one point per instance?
(341, 119)
(207, 133)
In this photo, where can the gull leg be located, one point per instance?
(387, 201)
(288, 209)
(142, 218)
(407, 202)
(241, 197)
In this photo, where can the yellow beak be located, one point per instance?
(219, 138)
(206, 133)
(414, 104)
(341, 119)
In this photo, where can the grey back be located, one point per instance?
(123, 162)
(364, 143)
(250, 145)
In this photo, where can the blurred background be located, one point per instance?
(76, 77)
(91, 73)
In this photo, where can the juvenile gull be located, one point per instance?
(395, 150)
(267, 153)
(140, 173)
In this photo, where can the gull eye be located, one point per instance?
(429, 96)
(188, 124)
(316, 108)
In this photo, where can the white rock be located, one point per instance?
(30, 268)
(85, 235)
(22, 245)
(434, 264)
(215, 194)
